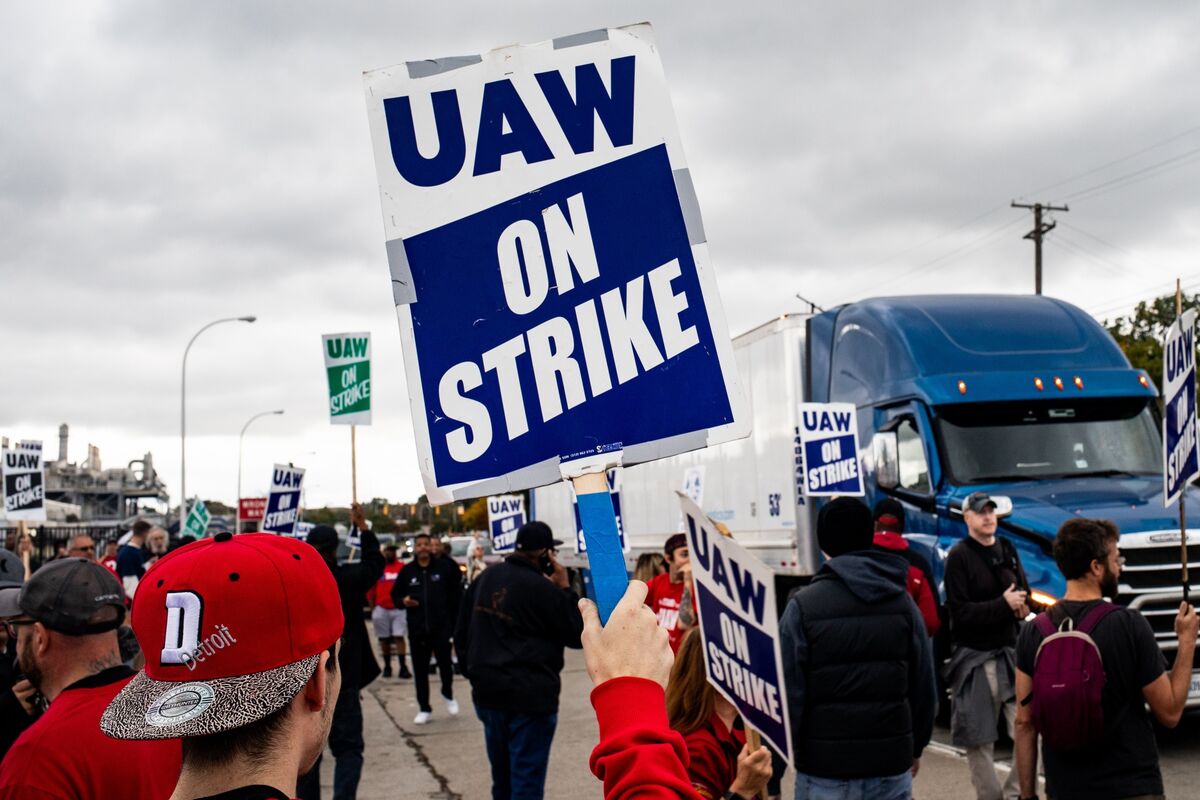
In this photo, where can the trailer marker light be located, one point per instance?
(1144, 381)
(1079, 383)
(962, 387)
(1058, 383)
(1037, 383)
(1042, 599)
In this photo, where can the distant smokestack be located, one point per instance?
(63, 435)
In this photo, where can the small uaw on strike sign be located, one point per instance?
(829, 449)
(558, 312)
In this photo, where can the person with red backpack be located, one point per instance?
(1086, 671)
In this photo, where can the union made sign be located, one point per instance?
(549, 264)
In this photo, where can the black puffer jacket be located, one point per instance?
(858, 669)
(437, 588)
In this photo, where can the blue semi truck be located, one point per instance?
(1026, 397)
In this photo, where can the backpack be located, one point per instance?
(1068, 681)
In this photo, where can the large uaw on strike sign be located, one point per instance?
(24, 482)
(283, 503)
(735, 597)
(1179, 420)
(828, 435)
(549, 264)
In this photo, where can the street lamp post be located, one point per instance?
(237, 519)
(183, 503)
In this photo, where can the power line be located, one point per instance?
(1071, 246)
(954, 254)
(1093, 236)
(1145, 173)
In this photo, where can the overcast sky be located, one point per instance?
(166, 164)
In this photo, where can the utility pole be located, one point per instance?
(1039, 230)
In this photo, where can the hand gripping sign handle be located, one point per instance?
(599, 523)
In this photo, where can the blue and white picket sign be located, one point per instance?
(302, 529)
(24, 482)
(613, 476)
(735, 598)
(1180, 461)
(506, 515)
(283, 503)
(828, 436)
(550, 269)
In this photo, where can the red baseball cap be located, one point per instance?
(232, 628)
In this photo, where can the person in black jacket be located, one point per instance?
(857, 666)
(356, 660)
(987, 596)
(517, 618)
(430, 588)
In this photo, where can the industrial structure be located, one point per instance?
(102, 494)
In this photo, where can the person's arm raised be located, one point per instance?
(629, 659)
(1168, 693)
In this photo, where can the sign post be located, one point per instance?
(613, 478)
(348, 371)
(197, 519)
(283, 503)
(1180, 457)
(735, 600)
(558, 311)
(829, 450)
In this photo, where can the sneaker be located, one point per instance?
(387, 670)
(404, 673)
(452, 707)
(422, 717)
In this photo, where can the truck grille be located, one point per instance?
(1150, 580)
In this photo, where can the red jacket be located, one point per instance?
(917, 584)
(639, 757)
(712, 757)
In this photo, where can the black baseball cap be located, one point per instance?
(535, 536)
(323, 537)
(889, 515)
(977, 502)
(12, 570)
(70, 596)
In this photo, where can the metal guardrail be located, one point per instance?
(47, 539)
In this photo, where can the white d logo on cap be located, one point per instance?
(183, 627)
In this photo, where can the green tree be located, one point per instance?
(1141, 334)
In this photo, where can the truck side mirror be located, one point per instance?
(885, 447)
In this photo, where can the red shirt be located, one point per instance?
(664, 599)
(64, 756)
(381, 592)
(712, 757)
(639, 757)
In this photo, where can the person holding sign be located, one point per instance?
(720, 763)
(669, 595)
(858, 666)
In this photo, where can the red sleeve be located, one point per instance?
(708, 766)
(922, 593)
(639, 757)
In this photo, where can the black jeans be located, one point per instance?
(422, 646)
(346, 744)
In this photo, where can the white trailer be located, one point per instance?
(749, 485)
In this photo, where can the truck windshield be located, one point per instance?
(996, 442)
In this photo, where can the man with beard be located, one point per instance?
(1124, 762)
(250, 694)
(69, 612)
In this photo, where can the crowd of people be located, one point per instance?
(250, 653)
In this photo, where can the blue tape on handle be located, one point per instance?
(605, 558)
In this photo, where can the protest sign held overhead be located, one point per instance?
(506, 514)
(197, 520)
(613, 476)
(24, 482)
(549, 265)
(735, 598)
(251, 509)
(1179, 407)
(348, 370)
(828, 439)
(283, 503)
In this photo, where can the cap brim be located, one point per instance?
(151, 709)
(9, 607)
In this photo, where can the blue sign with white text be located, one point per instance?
(1180, 458)
(828, 447)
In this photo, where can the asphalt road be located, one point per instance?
(445, 759)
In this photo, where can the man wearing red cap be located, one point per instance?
(66, 618)
(241, 636)
(670, 596)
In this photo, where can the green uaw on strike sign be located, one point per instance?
(348, 366)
